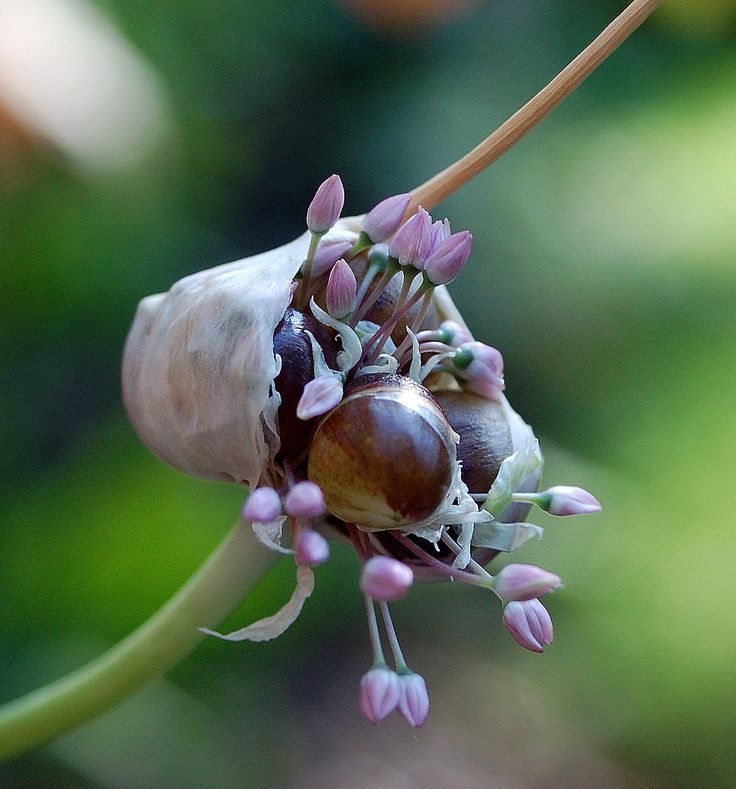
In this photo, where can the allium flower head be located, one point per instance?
(325, 399)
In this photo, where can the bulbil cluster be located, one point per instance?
(395, 435)
(335, 377)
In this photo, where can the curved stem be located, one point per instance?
(151, 650)
(445, 183)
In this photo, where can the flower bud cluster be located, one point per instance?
(303, 500)
(431, 247)
(389, 462)
(382, 691)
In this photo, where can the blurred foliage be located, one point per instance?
(603, 269)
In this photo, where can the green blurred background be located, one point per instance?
(142, 141)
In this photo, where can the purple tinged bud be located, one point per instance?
(311, 548)
(440, 231)
(449, 258)
(529, 623)
(382, 221)
(414, 699)
(380, 691)
(262, 506)
(482, 369)
(410, 245)
(327, 254)
(567, 500)
(326, 205)
(319, 396)
(525, 581)
(342, 289)
(305, 500)
(384, 578)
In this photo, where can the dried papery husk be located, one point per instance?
(199, 364)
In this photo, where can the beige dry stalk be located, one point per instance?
(447, 182)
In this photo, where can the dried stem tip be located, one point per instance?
(447, 182)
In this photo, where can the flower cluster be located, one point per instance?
(389, 429)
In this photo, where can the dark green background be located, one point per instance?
(603, 269)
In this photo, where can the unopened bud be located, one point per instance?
(327, 254)
(384, 578)
(379, 693)
(311, 548)
(414, 699)
(319, 396)
(326, 205)
(342, 289)
(382, 221)
(305, 500)
(525, 581)
(529, 623)
(411, 243)
(567, 500)
(262, 506)
(481, 368)
(449, 258)
(440, 231)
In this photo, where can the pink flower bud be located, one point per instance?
(414, 699)
(342, 289)
(319, 396)
(384, 578)
(454, 334)
(311, 548)
(525, 581)
(326, 205)
(449, 258)
(411, 243)
(481, 368)
(382, 221)
(379, 693)
(529, 623)
(327, 254)
(262, 506)
(305, 500)
(440, 231)
(566, 500)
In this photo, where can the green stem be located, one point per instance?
(148, 652)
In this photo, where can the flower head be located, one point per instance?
(217, 380)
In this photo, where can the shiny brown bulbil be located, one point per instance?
(485, 436)
(385, 456)
(292, 343)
